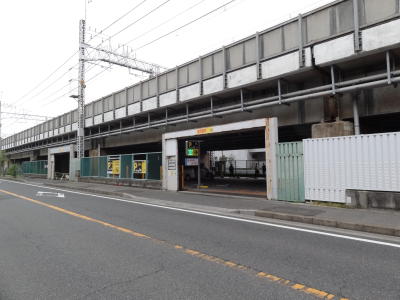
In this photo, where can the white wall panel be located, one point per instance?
(75, 126)
(68, 128)
(61, 130)
(41, 136)
(50, 133)
(308, 57)
(189, 92)
(167, 98)
(242, 76)
(334, 49)
(134, 108)
(363, 162)
(120, 113)
(55, 132)
(213, 85)
(280, 65)
(108, 116)
(381, 36)
(97, 119)
(88, 122)
(149, 104)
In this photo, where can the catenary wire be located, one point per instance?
(73, 55)
(181, 27)
(125, 28)
(141, 18)
(165, 22)
(185, 25)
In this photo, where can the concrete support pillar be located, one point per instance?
(34, 156)
(331, 109)
(50, 166)
(356, 115)
(72, 169)
(271, 142)
(170, 173)
(301, 115)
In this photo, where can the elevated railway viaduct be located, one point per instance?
(315, 73)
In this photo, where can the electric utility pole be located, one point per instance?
(102, 54)
(81, 92)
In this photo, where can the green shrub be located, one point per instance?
(13, 171)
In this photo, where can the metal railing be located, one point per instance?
(239, 168)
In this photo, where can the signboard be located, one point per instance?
(113, 165)
(205, 130)
(192, 148)
(191, 161)
(172, 164)
(139, 167)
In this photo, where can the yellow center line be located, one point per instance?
(230, 264)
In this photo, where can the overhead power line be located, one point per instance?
(73, 89)
(121, 17)
(165, 35)
(44, 80)
(165, 22)
(70, 57)
(185, 25)
(126, 27)
(141, 18)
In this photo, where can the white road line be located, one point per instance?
(364, 240)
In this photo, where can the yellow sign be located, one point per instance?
(205, 130)
(115, 167)
(139, 167)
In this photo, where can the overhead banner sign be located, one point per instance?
(205, 130)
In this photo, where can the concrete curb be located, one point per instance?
(329, 223)
(272, 215)
(244, 197)
(19, 179)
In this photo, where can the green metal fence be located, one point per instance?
(38, 167)
(290, 172)
(154, 162)
(125, 166)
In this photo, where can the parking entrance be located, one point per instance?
(59, 162)
(228, 159)
(230, 163)
(61, 165)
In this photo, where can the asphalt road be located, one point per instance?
(92, 247)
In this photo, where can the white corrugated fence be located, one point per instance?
(361, 162)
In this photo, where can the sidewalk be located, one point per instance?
(385, 222)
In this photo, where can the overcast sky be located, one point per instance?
(39, 36)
